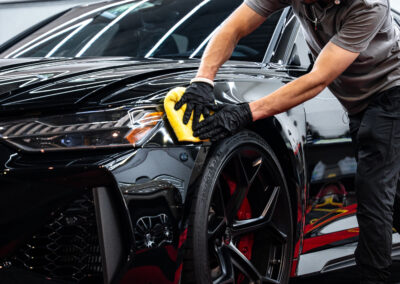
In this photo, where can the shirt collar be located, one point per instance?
(327, 7)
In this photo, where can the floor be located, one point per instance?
(348, 276)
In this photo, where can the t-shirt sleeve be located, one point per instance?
(360, 26)
(267, 7)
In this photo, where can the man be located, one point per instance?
(357, 52)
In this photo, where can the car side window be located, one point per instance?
(292, 48)
(300, 54)
(285, 41)
(253, 46)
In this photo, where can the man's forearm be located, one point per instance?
(288, 96)
(332, 61)
(239, 24)
(217, 52)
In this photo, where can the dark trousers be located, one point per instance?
(376, 137)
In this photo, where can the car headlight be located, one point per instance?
(119, 127)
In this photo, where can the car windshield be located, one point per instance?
(140, 29)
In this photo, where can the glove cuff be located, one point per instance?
(203, 80)
(248, 116)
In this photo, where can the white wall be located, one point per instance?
(16, 17)
(395, 4)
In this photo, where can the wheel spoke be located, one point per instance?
(257, 165)
(271, 205)
(276, 233)
(243, 227)
(243, 264)
(242, 187)
(240, 171)
(234, 204)
(219, 229)
(225, 262)
(221, 197)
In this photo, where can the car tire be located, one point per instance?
(240, 226)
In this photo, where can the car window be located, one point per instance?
(300, 53)
(292, 48)
(286, 40)
(253, 46)
(142, 29)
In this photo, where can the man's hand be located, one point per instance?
(227, 121)
(198, 97)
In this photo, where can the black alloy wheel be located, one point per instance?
(240, 228)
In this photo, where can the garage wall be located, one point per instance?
(18, 15)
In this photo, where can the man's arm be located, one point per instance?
(331, 62)
(199, 97)
(240, 23)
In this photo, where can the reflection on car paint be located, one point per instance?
(344, 167)
(332, 223)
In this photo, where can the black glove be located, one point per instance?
(199, 97)
(227, 121)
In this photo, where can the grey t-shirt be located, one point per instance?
(364, 26)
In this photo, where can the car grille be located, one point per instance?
(67, 248)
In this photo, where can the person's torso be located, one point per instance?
(375, 70)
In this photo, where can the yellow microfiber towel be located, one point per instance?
(182, 131)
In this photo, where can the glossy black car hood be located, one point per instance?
(28, 84)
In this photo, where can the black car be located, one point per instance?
(95, 187)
